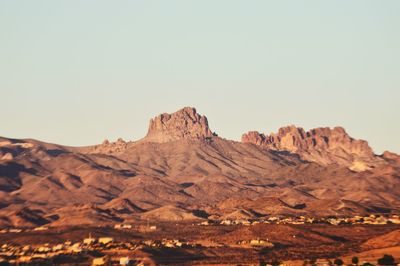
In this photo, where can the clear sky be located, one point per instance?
(78, 72)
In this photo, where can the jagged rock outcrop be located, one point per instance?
(322, 145)
(391, 157)
(108, 147)
(183, 124)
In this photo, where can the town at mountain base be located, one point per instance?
(181, 170)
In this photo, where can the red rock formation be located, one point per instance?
(321, 145)
(391, 157)
(108, 147)
(183, 124)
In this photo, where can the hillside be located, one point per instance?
(181, 170)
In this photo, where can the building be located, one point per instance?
(99, 261)
(259, 242)
(76, 248)
(124, 261)
(41, 228)
(58, 247)
(105, 240)
(89, 241)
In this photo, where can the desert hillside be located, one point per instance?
(181, 170)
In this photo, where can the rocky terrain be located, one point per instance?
(182, 171)
(185, 124)
(321, 145)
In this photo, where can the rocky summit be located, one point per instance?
(183, 124)
(182, 171)
(321, 145)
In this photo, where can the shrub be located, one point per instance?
(338, 262)
(355, 260)
(367, 264)
(386, 260)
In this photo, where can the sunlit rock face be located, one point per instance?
(322, 145)
(183, 124)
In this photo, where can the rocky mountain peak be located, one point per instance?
(323, 145)
(183, 124)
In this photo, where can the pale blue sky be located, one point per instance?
(77, 72)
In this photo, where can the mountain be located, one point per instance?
(183, 124)
(182, 171)
(321, 145)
